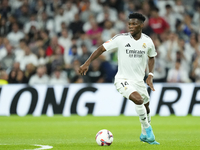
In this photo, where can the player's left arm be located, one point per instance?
(149, 79)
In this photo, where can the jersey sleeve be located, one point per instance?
(111, 45)
(151, 50)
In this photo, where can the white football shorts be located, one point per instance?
(126, 87)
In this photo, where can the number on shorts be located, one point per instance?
(124, 84)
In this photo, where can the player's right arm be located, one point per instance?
(110, 45)
(84, 68)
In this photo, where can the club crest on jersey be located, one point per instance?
(144, 45)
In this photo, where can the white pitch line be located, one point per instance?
(41, 147)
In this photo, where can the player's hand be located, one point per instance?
(149, 82)
(83, 69)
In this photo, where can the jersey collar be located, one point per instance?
(133, 37)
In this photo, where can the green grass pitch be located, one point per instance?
(78, 133)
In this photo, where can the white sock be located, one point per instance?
(149, 118)
(143, 130)
(149, 121)
(141, 111)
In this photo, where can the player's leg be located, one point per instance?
(142, 112)
(135, 97)
(128, 90)
(140, 108)
(148, 112)
(143, 136)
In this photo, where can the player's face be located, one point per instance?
(135, 26)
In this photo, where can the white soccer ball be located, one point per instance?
(104, 138)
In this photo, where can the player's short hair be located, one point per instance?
(137, 16)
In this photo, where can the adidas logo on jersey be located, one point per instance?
(128, 45)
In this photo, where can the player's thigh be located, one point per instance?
(124, 87)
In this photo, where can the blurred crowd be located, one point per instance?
(45, 41)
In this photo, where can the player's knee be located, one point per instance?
(138, 101)
(136, 98)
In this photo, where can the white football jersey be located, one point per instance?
(132, 55)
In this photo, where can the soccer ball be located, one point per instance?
(104, 138)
